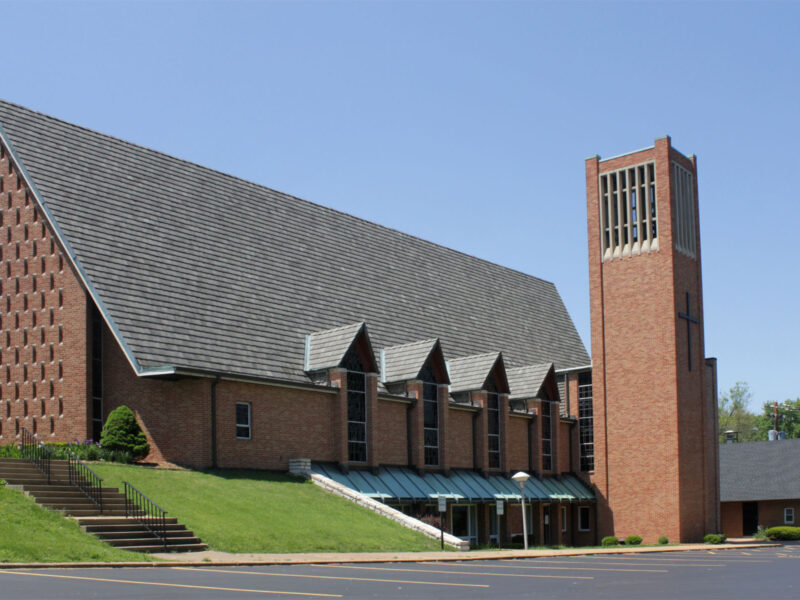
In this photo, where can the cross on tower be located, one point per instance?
(689, 320)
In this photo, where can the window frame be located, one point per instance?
(581, 511)
(248, 425)
(789, 510)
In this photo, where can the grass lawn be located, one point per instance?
(257, 511)
(30, 533)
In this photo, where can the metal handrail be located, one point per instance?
(86, 480)
(36, 452)
(147, 512)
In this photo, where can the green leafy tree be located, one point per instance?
(122, 432)
(788, 419)
(734, 415)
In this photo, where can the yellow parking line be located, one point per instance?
(627, 564)
(455, 572)
(329, 577)
(175, 585)
(561, 568)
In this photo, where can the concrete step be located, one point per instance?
(73, 492)
(170, 548)
(142, 533)
(89, 522)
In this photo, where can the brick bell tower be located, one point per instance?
(656, 466)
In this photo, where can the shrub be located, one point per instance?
(723, 537)
(633, 540)
(712, 538)
(122, 432)
(609, 540)
(11, 450)
(760, 534)
(663, 540)
(783, 533)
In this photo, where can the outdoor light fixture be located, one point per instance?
(521, 477)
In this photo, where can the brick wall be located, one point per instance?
(43, 312)
(650, 447)
(459, 438)
(392, 441)
(517, 459)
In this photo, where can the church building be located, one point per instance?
(248, 328)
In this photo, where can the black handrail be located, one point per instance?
(36, 452)
(147, 512)
(86, 480)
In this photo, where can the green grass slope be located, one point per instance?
(30, 533)
(256, 511)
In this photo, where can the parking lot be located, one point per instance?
(754, 573)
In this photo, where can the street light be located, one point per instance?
(521, 478)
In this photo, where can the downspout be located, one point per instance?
(214, 422)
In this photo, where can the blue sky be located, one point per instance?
(466, 123)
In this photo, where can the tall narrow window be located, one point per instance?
(356, 408)
(493, 421)
(97, 374)
(547, 435)
(243, 417)
(583, 518)
(586, 421)
(430, 399)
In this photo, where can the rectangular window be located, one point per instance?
(547, 436)
(586, 421)
(493, 416)
(97, 374)
(563, 519)
(243, 414)
(430, 394)
(788, 515)
(583, 518)
(628, 223)
(683, 211)
(356, 416)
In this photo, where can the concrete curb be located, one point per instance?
(367, 557)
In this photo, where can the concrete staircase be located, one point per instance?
(111, 525)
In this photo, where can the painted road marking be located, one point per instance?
(175, 585)
(329, 577)
(495, 566)
(455, 572)
(569, 561)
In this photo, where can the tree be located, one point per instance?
(788, 419)
(733, 413)
(122, 432)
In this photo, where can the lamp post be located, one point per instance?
(521, 478)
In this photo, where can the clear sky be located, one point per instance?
(466, 123)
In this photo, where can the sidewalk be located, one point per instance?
(226, 559)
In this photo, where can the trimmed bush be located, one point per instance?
(609, 540)
(663, 540)
(122, 433)
(712, 538)
(783, 533)
(633, 540)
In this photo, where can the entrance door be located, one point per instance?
(749, 518)
(547, 518)
(464, 523)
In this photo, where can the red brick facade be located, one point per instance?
(653, 467)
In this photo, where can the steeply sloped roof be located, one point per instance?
(525, 382)
(468, 373)
(200, 270)
(404, 362)
(751, 471)
(326, 349)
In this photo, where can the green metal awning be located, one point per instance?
(397, 485)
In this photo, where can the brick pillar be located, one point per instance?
(480, 432)
(502, 403)
(338, 379)
(444, 417)
(372, 419)
(416, 434)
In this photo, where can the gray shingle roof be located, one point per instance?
(404, 362)
(197, 269)
(751, 471)
(525, 382)
(326, 349)
(469, 373)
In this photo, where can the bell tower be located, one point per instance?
(655, 415)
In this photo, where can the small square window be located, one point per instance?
(243, 411)
(788, 516)
(583, 518)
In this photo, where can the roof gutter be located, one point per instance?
(573, 369)
(177, 371)
(73, 259)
